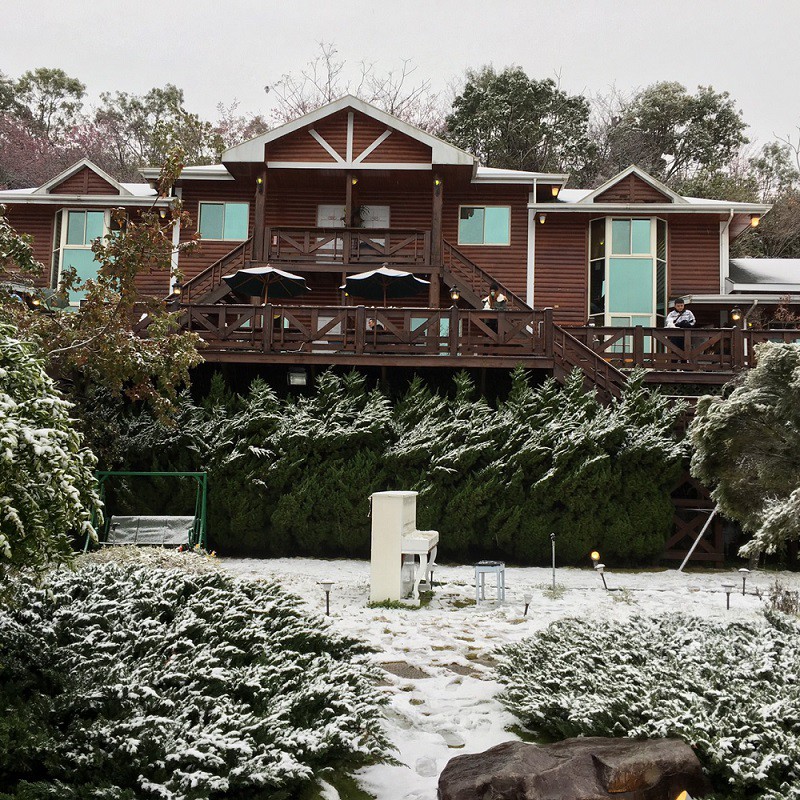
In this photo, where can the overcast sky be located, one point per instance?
(221, 50)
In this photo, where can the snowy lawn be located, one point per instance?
(438, 659)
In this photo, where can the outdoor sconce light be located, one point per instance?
(162, 212)
(755, 220)
(326, 587)
(177, 288)
(736, 314)
(437, 181)
(527, 597)
(601, 568)
(260, 184)
(728, 588)
(296, 377)
(353, 181)
(744, 572)
(542, 218)
(554, 190)
(455, 294)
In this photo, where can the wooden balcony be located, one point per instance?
(330, 249)
(370, 336)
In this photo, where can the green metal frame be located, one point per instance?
(198, 534)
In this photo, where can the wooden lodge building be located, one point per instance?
(347, 188)
(588, 274)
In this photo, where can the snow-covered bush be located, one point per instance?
(46, 481)
(129, 682)
(730, 691)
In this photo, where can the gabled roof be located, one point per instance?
(642, 175)
(84, 163)
(252, 151)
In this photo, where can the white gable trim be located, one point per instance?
(639, 173)
(325, 146)
(252, 151)
(74, 169)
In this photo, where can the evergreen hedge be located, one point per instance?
(133, 682)
(293, 476)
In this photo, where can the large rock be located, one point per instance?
(591, 768)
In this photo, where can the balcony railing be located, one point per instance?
(358, 247)
(357, 330)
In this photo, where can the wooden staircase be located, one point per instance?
(207, 286)
(473, 282)
(570, 353)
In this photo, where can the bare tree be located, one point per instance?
(325, 79)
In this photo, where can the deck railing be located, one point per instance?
(276, 329)
(347, 246)
(679, 349)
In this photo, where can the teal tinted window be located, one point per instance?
(236, 222)
(621, 236)
(470, 226)
(95, 225)
(497, 226)
(212, 216)
(76, 227)
(631, 285)
(640, 236)
(85, 267)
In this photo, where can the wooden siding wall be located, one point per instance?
(560, 277)
(693, 254)
(194, 192)
(86, 181)
(36, 221)
(508, 264)
(631, 190)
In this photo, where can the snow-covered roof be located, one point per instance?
(766, 272)
(18, 191)
(140, 189)
(205, 172)
(498, 175)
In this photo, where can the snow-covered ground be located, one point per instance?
(438, 658)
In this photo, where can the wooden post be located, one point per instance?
(361, 329)
(433, 289)
(737, 349)
(453, 331)
(348, 200)
(436, 223)
(260, 206)
(548, 332)
(638, 346)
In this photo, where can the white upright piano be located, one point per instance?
(401, 555)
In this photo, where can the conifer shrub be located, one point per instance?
(292, 477)
(730, 691)
(132, 682)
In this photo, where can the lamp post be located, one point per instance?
(326, 587)
(527, 597)
(728, 588)
(601, 569)
(455, 294)
(744, 572)
(736, 315)
(553, 546)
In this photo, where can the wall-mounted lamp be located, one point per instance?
(542, 218)
(736, 314)
(162, 212)
(353, 181)
(437, 181)
(260, 184)
(554, 190)
(755, 220)
(455, 294)
(297, 377)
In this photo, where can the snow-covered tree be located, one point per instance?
(747, 446)
(46, 481)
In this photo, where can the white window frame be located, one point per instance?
(484, 206)
(62, 243)
(608, 255)
(201, 203)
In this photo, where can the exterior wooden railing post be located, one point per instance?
(548, 332)
(453, 330)
(361, 329)
(346, 239)
(737, 349)
(638, 346)
(259, 212)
